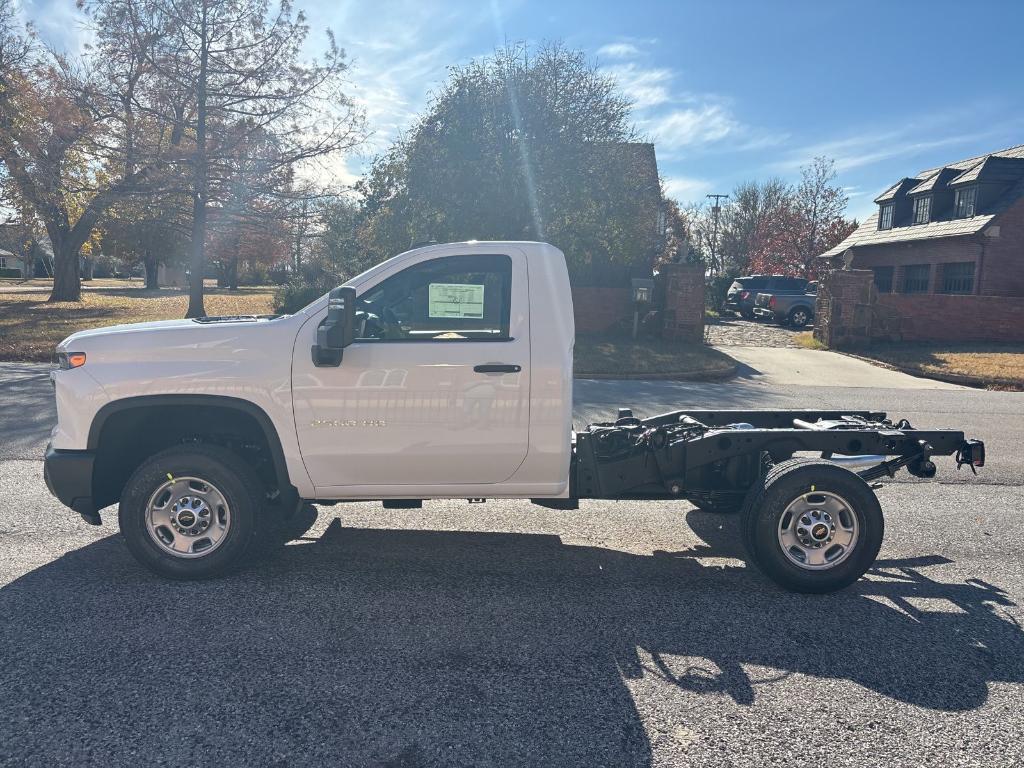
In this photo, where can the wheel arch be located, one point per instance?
(145, 410)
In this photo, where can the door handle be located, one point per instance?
(497, 368)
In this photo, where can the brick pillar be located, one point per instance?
(684, 302)
(845, 308)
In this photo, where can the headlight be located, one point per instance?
(67, 360)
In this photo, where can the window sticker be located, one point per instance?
(455, 301)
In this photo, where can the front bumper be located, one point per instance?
(68, 475)
(765, 314)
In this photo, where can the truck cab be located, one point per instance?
(457, 381)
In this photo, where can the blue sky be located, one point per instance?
(728, 91)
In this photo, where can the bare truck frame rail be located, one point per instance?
(813, 524)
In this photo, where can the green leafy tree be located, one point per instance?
(521, 145)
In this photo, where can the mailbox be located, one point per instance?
(643, 290)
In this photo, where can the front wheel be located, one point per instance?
(814, 527)
(191, 512)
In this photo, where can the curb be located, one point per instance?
(949, 378)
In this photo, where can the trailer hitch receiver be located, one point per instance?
(971, 453)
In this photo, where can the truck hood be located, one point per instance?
(205, 326)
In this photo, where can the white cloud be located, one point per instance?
(685, 189)
(618, 50)
(692, 126)
(60, 23)
(645, 87)
(870, 148)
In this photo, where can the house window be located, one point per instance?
(916, 277)
(3, 262)
(958, 277)
(885, 217)
(923, 209)
(966, 199)
(883, 279)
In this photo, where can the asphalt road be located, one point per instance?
(621, 634)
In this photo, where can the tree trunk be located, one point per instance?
(66, 283)
(152, 265)
(232, 273)
(87, 267)
(198, 261)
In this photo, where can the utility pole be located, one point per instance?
(715, 210)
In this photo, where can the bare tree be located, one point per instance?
(225, 71)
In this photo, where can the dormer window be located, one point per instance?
(922, 209)
(885, 216)
(966, 202)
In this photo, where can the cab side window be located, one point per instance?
(454, 298)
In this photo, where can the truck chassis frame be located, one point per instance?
(720, 454)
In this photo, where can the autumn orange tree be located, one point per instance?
(64, 145)
(802, 224)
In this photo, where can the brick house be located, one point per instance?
(954, 230)
(945, 251)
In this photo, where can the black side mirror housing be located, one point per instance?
(337, 330)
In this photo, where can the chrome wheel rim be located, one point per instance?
(188, 517)
(800, 319)
(818, 530)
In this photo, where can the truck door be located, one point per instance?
(436, 388)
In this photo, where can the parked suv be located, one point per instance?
(742, 295)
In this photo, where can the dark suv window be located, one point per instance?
(795, 284)
(752, 283)
(455, 298)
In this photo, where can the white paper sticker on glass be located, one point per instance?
(455, 300)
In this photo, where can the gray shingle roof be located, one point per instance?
(897, 188)
(868, 233)
(927, 185)
(963, 165)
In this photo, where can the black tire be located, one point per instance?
(787, 482)
(235, 480)
(798, 317)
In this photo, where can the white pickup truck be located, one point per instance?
(444, 372)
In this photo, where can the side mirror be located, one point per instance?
(337, 330)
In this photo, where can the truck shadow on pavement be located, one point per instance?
(418, 647)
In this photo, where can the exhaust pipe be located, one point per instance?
(857, 462)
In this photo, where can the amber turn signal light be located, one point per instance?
(72, 360)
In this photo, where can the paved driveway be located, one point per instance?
(622, 634)
(768, 355)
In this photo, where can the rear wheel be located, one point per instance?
(191, 512)
(799, 317)
(814, 527)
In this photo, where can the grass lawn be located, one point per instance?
(47, 282)
(624, 357)
(807, 341)
(993, 364)
(30, 327)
